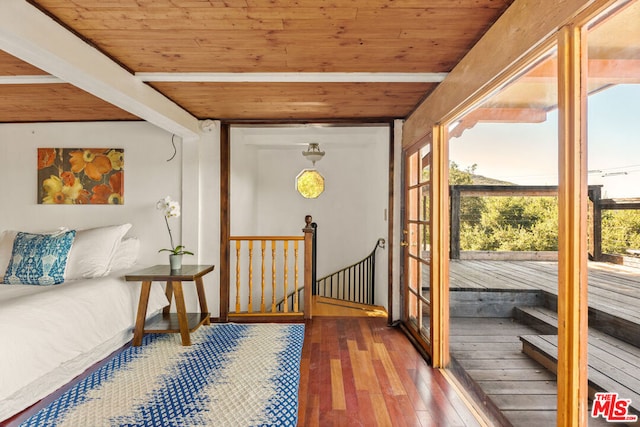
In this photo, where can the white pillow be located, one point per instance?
(6, 249)
(126, 255)
(92, 251)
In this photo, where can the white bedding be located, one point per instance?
(50, 334)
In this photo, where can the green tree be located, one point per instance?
(513, 224)
(458, 176)
(470, 207)
(529, 223)
(505, 223)
(620, 231)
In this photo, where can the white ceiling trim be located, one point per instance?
(30, 80)
(32, 36)
(254, 77)
(293, 77)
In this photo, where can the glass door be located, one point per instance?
(417, 244)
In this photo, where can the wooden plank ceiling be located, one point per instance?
(260, 36)
(46, 102)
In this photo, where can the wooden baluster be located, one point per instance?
(295, 284)
(250, 304)
(286, 275)
(238, 243)
(273, 276)
(262, 308)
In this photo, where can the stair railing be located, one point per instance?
(355, 283)
(260, 280)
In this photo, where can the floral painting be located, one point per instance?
(81, 176)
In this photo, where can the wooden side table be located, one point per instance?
(166, 322)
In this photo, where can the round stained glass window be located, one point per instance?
(309, 183)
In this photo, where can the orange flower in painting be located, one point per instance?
(68, 178)
(101, 194)
(109, 194)
(83, 197)
(117, 182)
(93, 162)
(46, 157)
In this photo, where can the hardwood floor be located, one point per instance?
(361, 372)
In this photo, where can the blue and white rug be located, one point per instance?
(231, 375)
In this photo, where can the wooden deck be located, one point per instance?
(612, 288)
(485, 338)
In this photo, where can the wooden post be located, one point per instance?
(225, 220)
(250, 298)
(308, 260)
(596, 237)
(572, 230)
(439, 272)
(454, 215)
(296, 305)
(263, 246)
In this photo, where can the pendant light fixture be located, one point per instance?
(313, 153)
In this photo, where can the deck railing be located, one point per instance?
(596, 208)
(457, 192)
(264, 269)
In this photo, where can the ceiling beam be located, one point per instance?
(294, 77)
(32, 36)
(497, 115)
(610, 71)
(30, 80)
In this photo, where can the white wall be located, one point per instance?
(148, 176)
(351, 213)
(244, 183)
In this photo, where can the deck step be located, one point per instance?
(545, 320)
(541, 319)
(614, 365)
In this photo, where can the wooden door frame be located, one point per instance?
(439, 229)
(572, 228)
(416, 337)
(390, 223)
(225, 218)
(225, 203)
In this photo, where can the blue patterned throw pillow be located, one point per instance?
(39, 259)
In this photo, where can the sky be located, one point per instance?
(527, 154)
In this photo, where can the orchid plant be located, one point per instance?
(171, 209)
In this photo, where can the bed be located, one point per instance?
(52, 333)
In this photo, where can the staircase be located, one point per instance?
(349, 291)
(504, 351)
(614, 364)
(355, 283)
